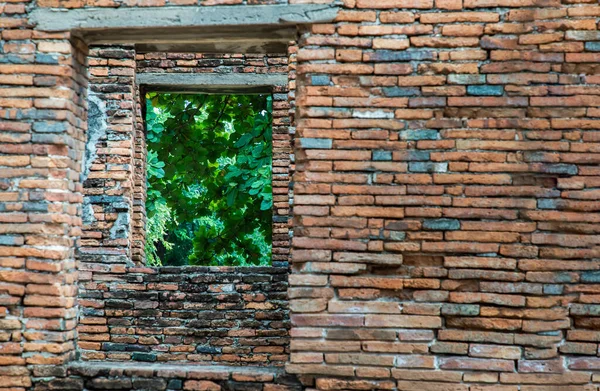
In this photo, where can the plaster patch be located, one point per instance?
(97, 126)
(120, 228)
(88, 212)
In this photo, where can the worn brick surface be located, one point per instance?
(42, 134)
(236, 316)
(447, 189)
(450, 197)
(169, 377)
(109, 157)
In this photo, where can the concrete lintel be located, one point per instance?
(211, 82)
(89, 19)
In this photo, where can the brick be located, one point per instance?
(484, 90)
(393, 56)
(477, 364)
(460, 309)
(430, 386)
(392, 44)
(425, 134)
(507, 300)
(449, 4)
(450, 348)
(485, 324)
(316, 143)
(592, 46)
(393, 69)
(442, 224)
(335, 384)
(565, 378)
(407, 321)
(200, 385)
(494, 351)
(427, 4)
(396, 17)
(457, 17)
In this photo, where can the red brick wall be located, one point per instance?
(109, 160)
(42, 134)
(446, 218)
(446, 196)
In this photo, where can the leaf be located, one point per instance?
(244, 140)
(266, 205)
(231, 197)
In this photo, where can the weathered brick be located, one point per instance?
(487, 149)
(477, 364)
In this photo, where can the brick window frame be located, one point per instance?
(283, 131)
(246, 311)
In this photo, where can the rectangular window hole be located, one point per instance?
(209, 179)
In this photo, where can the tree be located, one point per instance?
(209, 179)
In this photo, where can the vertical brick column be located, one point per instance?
(140, 153)
(108, 174)
(108, 169)
(283, 156)
(42, 132)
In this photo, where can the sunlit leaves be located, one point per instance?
(155, 166)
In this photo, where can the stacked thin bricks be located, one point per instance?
(108, 169)
(233, 316)
(447, 196)
(211, 63)
(169, 377)
(224, 64)
(140, 154)
(108, 165)
(42, 130)
(98, 376)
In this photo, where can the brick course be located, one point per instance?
(132, 376)
(108, 176)
(234, 315)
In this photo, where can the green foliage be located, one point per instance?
(156, 232)
(209, 179)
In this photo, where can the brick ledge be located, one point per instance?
(190, 371)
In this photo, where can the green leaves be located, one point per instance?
(210, 164)
(155, 166)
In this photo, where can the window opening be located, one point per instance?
(209, 179)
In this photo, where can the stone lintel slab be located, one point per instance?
(124, 18)
(211, 82)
